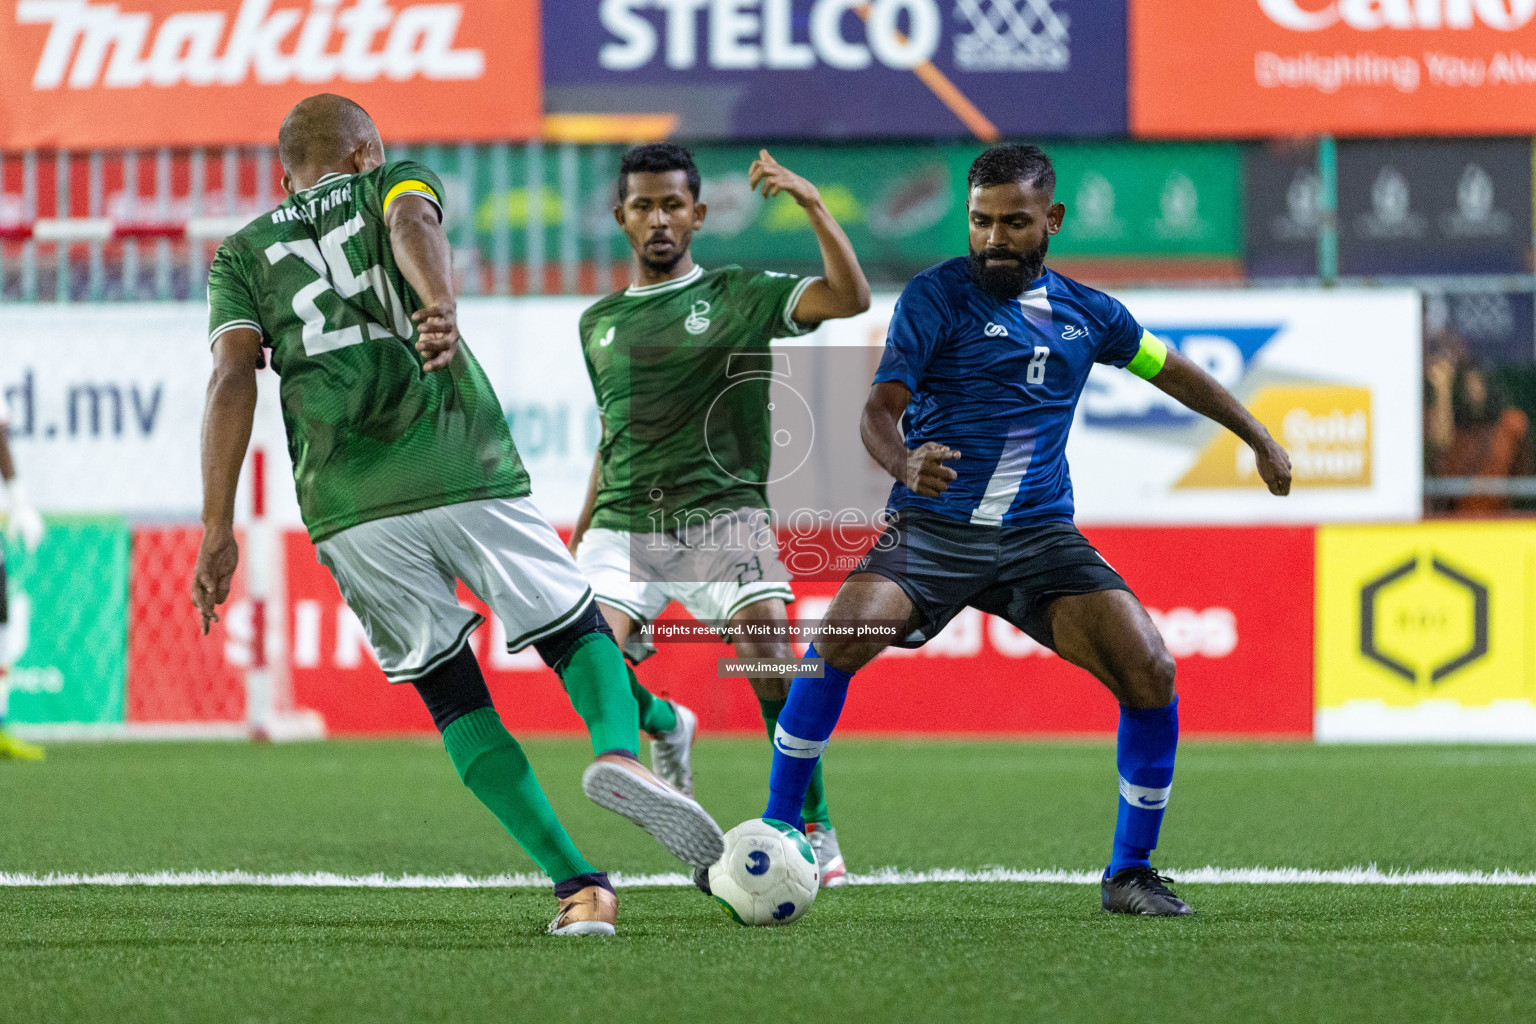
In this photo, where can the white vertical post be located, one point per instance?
(259, 703)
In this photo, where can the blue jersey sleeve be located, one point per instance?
(1120, 339)
(918, 327)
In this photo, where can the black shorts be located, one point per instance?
(1014, 572)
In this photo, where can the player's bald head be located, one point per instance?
(324, 130)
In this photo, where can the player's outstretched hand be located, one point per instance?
(926, 472)
(1274, 465)
(774, 178)
(216, 560)
(437, 334)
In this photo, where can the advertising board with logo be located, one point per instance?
(1435, 207)
(1497, 328)
(842, 68)
(67, 636)
(1334, 377)
(83, 73)
(902, 206)
(1149, 200)
(1282, 208)
(1243, 652)
(1347, 67)
(1426, 632)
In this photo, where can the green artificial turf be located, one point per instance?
(937, 951)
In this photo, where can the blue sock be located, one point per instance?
(805, 725)
(1144, 753)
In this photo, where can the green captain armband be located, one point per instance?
(1150, 357)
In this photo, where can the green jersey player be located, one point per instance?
(408, 482)
(677, 508)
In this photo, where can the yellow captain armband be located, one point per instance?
(411, 187)
(1150, 357)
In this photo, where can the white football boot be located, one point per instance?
(623, 785)
(823, 840)
(672, 752)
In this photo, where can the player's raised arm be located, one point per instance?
(425, 259)
(1199, 391)
(842, 290)
(227, 417)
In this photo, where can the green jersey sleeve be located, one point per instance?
(230, 303)
(409, 178)
(769, 298)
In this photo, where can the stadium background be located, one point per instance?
(1319, 199)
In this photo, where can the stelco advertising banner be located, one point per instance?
(84, 73)
(1348, 67)
(842, 68)
(1426, 632)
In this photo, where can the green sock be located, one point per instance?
(492, 765)
(595, 676)
(656, 715)
(815, 807)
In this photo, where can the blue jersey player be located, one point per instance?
(983, 366)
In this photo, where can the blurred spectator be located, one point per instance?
(1472, 430)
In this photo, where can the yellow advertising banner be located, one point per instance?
(1426, 632)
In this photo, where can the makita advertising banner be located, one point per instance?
(1435, 207)
(842, 68)
(83, 73)
(1203, 69)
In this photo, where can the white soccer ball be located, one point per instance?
(767, 875)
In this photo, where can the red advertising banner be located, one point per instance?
(1235, 607)
(1347, 67)
(89, 74)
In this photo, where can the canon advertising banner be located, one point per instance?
(842, 68)
(1348, 67)
(83, 73)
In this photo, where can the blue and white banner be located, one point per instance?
(842, 68)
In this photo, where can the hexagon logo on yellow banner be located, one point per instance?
(1325, 427)
(1432, 612)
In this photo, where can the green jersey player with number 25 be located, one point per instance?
(408, 482)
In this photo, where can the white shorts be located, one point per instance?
(640, 574)
(398, 574)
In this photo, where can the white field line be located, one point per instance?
(1370, 875)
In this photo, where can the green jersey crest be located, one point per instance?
(676, 367)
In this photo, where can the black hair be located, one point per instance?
(658, 158)
(321, 130)
(1009, 163)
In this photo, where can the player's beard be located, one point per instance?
(664, 266)
(1006, 279)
